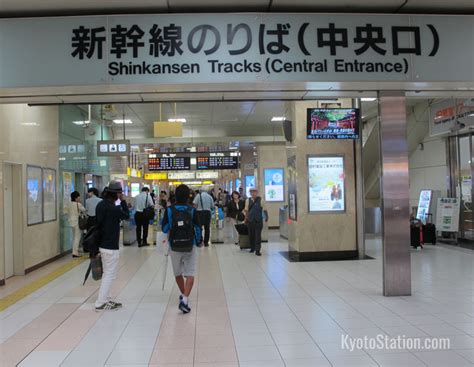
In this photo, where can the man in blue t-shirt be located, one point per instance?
(184, 262)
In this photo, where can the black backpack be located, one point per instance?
(182, 229)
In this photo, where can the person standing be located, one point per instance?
(235, 214)
(74, 210)
(91, 205)
(142, 201)
(181, 222)
(109, 216)
(204, 203)
(255, 212)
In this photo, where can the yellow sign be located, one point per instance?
(164, 129)
(156, 176)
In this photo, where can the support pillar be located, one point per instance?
(394, 194)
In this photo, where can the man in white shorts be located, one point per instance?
(182, 224)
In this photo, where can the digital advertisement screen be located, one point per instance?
(424, 204)
(168, 163)
(332, 123)
(238, 184)
(274, 184)
(326, 184)
(249, 183)
(219, 162)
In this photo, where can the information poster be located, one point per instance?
(238, 184)
(49, 195)
(68, 187)
(326, 184)
(292, 195)
(424, 204)
(274, 184)
(447, 215)
(35, 195)
(249, 183)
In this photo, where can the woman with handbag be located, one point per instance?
(235, 213)
(77, 220)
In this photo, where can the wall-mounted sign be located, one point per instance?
(207, 175)
(217, 162)
(326, 184)
(249, 184)
(113, 148)
(181, 176)
(332, 123)
(238, 184)
(274, 184)
(156, 176)
(451, 115)
(204, 48)
(34, 190)
(292, 190)
(156, 163)
(49, 195)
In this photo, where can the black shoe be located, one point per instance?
(258, 253)
(206, 245)
(184, 307)
(251, 250)
(146, 244)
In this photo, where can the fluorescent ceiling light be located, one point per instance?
(278, 118)
(368, 99)
(30, 124)
(80, 123)
(121, 122)
(177, 120)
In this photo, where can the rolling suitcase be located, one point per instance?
(129, 233)
(429, 231)
(243, 232)
(415, 235)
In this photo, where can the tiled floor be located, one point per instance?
(247, 311)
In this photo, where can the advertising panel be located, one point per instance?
(326, 184)
(238, 184)
(274, 184)
(49, 195)
(424, 203)
(292, 195)
(135, 189)
(332, 123)
(447, 218)
(34, 189)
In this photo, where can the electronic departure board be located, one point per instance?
(221, 162)
(169, 163)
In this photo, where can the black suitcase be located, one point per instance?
(415, 236)
(429, 233)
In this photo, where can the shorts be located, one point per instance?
(184, 263)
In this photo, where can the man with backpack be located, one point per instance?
(255, 213)
(182, 224)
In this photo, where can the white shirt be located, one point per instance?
(207, 202)
(73, 211)
(142, 202)
(91, 204)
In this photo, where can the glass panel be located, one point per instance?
(465, 179)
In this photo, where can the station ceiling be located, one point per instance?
(26, 8)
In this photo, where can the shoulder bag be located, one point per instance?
(149, 211)
(82, 219)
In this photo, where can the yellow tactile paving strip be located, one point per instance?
(25, 291)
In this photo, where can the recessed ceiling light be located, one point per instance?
(278, 118)
(368, 99)
(80, 123)
(177, 120)
(121, 122)
(30, 124)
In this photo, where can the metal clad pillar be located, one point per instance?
(394, 194)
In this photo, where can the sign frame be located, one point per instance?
(265, 170)
(335, 212)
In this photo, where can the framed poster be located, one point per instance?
(135, 191)
(238, 184)
(274, 184)
(249, 183)
(49, 195)
(34, 191)
(332, 123)
(326, 190)
(292, 195)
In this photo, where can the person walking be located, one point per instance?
(182, 224)
(235, 213)
(204, 203)
(109, 216)
(91, 205)
(142, 202)
(74, 210)
(255, 213)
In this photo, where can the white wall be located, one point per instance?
(428, 169)
(34, 145)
